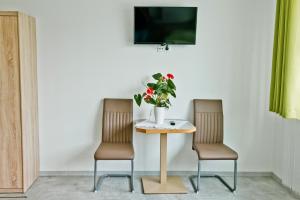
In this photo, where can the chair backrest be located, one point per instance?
(208, 119)
(117, 121)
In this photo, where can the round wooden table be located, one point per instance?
(164, 184)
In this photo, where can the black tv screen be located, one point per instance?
(165, 25)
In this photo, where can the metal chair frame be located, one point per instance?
(98, 183)
(198, 176)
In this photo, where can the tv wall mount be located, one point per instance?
(166, 46)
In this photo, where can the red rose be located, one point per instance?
(170, 76)
(150, 91)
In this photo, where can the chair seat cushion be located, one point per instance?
(215, 152)
(114, 151)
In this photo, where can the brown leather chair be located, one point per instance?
(117, 125)
(208, 138)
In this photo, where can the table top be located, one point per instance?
(149, 127)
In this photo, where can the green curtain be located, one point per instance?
(285, 84)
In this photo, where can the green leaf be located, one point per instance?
(168, 102)
(172, 92)
(152, 85)
(171, 84)
(164, 91)
(138, 99)
(152, 101)
(157, 76)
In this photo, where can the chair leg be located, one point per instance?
(235, 175)
(95, 176)
(232, 189)
(98, 184)
(198, 177)
(132, 176)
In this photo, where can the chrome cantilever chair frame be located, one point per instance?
(98, 183)
(199, 176)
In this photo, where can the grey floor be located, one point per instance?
(79, 188)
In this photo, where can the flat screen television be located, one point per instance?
(165, 25)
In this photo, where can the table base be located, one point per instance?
(174, 185)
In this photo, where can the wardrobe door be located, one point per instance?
(10, 116)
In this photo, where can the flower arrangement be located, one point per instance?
(158, 93)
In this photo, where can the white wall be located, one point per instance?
(286, 162)
(86, 53)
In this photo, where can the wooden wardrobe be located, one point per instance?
(19, 142)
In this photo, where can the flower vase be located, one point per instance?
(159, 113)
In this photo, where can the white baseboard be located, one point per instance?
(152, 173)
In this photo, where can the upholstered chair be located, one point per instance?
(208, 138)
(116, 144)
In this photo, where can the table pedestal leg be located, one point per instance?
(163, 184)
(163, 158)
